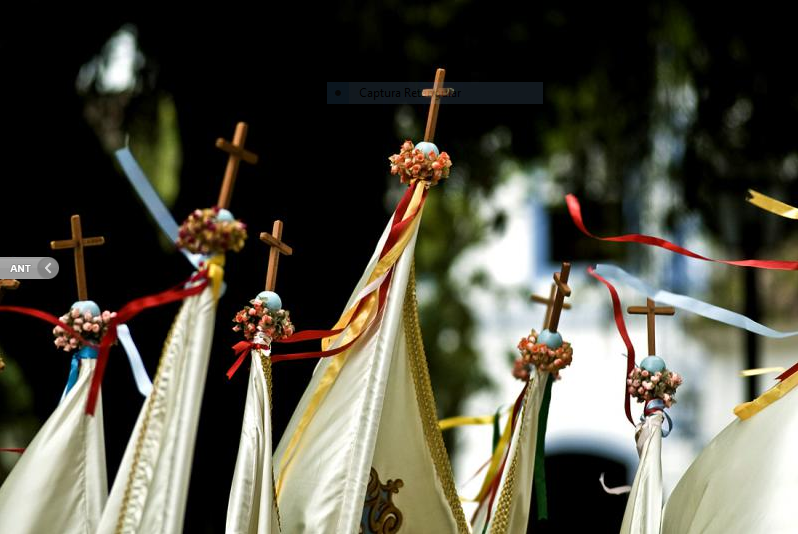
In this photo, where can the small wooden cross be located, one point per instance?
(651, 310)
(562, 291)
(436, 93)
(276, 247)
(78, 242)
(6, 285)
(549, 302)
(237, 153)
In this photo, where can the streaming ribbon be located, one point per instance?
(576, 215)
(772, 205)
(617, 312)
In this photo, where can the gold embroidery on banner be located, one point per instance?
(380, 515)
(120, 527)
(266, 365)
(501, 517)
(426, 402)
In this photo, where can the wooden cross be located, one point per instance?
(6, 285)
(436, 93)
(651, 310)
(78, 242)
(276, 247)
(237, 153)
(549, 302)
(562, 291)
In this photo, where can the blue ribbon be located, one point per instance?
(86, 353)
(657, 405)
(698, 307)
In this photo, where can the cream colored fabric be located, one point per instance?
(59, 483)
(511, 510)
(252, 508)
(745, 480)
(369, 418)
(643, 513)
(150, 490)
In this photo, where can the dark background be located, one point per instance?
(323, 170)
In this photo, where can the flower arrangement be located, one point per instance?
(411, 164)
(534, 354)
(259, 321)
(90, 327)
(646, 385)
(206, 232)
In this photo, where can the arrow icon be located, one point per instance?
(47, 268)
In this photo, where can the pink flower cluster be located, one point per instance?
(645, 386)
(534, 354)
(411, 165)
(258, 319)
(202, 233)
(91, 328)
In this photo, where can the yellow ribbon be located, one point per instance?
(761, 371)
(462, 420)
(354, 329)
(495, 461)
(772, 205)
(749, 409)
(216, 273)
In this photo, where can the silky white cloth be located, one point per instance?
(369, 418)
(59, 483)
(643, 514)
(515, 492)
(150, 490)
(252, 508)
(745, 480)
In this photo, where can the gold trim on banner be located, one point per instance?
(369, 309)
(501, 517)
(749, 409)
(772, 205)
(463, 420)
(266, 365)
(120, 527)
(426, 402)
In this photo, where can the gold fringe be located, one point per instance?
(501, 517)
(266, 365)
(142, 435)
(426, 402)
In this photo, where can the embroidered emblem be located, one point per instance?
(380, 516)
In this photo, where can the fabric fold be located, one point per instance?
(643, 514)
(60, 482)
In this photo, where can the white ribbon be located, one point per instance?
(143, 382)
(698, 307)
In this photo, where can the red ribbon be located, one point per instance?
(617, 311)
(18, 451)
(494, 484)
(130, 310)
(52, 319)
(398, 226)
(242, 348)
(576, 214)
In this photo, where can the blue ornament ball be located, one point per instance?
(86, 306)
(653, 364)
(224, 216)
(271, 300)
(426, 148)
(553, 340)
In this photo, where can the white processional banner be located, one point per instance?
(643, 513)
(150, 490)
(252, 508)
(371, 456)
(59, 483)
(745, 479)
